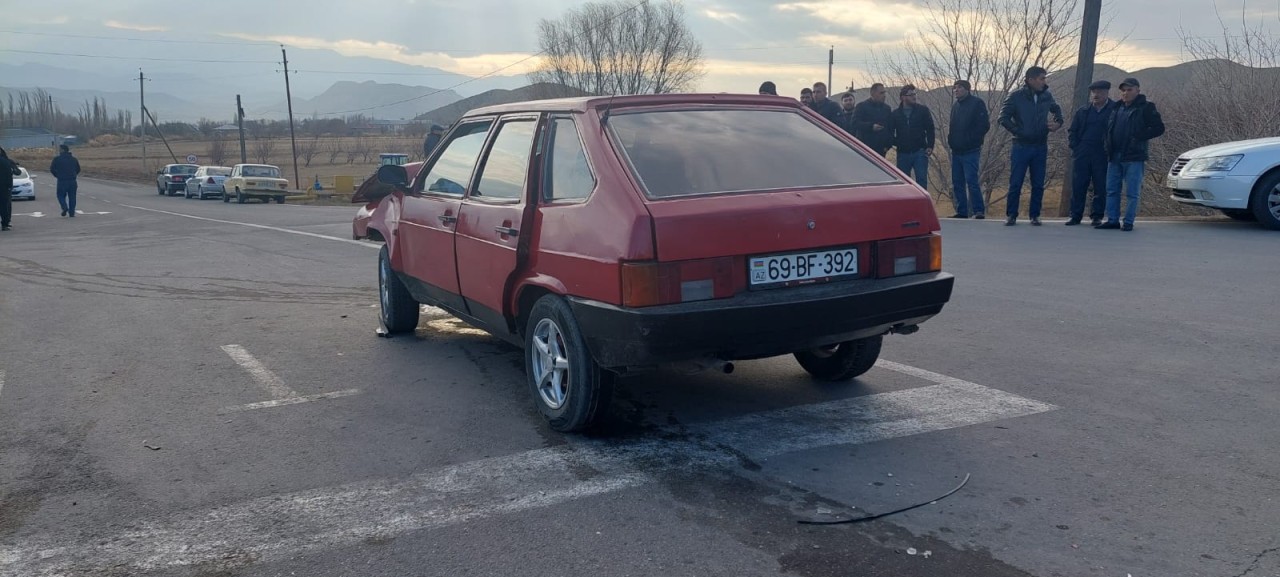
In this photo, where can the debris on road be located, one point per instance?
(150, 446)
(881, 515)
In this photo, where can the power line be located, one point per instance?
(166, 40)
(206, 61)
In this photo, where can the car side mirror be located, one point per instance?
(393, 175)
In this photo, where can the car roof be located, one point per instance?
(586, 103)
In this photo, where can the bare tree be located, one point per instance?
(334, 147)
(618, 47)
(308, 148)
(262, 149)
(217, 149)
(990, 43)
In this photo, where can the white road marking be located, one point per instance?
(290, 401)
(260, 373)
(279, 527)
(36, 214)
(375, 246)
(1, 381)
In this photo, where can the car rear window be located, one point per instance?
(218, 171)
(692, 152)
(184, 169)
(260, 171)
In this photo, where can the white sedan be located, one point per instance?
(207, 182)
(24, 186)
(1242, 179)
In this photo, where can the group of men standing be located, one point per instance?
(1108, 141)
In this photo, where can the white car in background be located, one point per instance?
(1242, 179)
(24, 186)
(207, 182)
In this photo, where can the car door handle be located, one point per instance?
(447, 218)
(506, 230)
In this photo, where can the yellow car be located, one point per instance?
(260, 181)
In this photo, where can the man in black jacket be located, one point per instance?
(1030, 114)
(1088, 153)
(7, 168)
(432, 141)
(823, 105)
(846, 119)
(872, 120)
(969, 125)
(913, 136)
(1134, 122)
(66, 168)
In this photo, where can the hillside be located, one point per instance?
(347, 95)
(447, 115)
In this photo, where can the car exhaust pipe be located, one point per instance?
(904, 329)
(696, 366)
(726, 367)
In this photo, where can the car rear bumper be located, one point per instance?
(1212, 190)
(22, 194)
(760, 323)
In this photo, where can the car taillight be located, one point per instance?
(210, 181)
(909, 256)
(177, 178)
(651, 283)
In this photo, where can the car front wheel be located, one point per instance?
(1266, 201)
(399, 310)
(842, 361)
(571, 390)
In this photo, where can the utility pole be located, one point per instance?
(244, 159)
(1084, 77)
(142, 127)
(293, 142)
(52, 124)
(831, 61)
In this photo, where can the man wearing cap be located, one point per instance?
(872, 120)
(913, 136)
(1134, 122)
(433, 140)
(768, 88)
(1088, 153)
(1030, 114)
(969, 125)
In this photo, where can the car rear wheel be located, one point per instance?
(239, 197)
(399, 310)
(843, 361)
(226, 197)
(571, 390)
(159, 189)
(279, 200)
(1266, 201)
(1241, 214)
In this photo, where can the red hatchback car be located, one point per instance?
(607, 235)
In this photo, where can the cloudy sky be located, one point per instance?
(745, 41)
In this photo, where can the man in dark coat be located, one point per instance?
(433, 140)
(66, 168)
(1030, 114)
(913, 135)
(873, 121)
(823, 105)
(7, 168)
(1088, 153)
(846, 119)
(1134, 122)
(968, 129)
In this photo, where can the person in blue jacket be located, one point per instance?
(66, 168)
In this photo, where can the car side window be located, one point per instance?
(507, 165)
(452, 169)
(568, 173)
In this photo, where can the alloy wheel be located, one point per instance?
(551, 363)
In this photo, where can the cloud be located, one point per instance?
(867, 19)
(477, 65)
(723, 16)
(1131, 57)
(135, 27)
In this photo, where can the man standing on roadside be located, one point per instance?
(7, 168)
(1088, 153)
(823, 105)
(873, 121)
(1030, 114)
(969, 125)
(913, 136)
(1134, 122)
(65, 168)
(845, 119)
(432, 141)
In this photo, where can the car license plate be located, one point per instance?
(802, 268)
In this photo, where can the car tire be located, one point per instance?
(843, 361)
(159, 189)
(1240, 214)
(1266, 201)
(279, 200)
(570, 389)
(226, 197)
(398, 311)
(239, 197)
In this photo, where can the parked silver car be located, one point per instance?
(24, 187)
(207, 182)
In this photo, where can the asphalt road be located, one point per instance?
(196, 388)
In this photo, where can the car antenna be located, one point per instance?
(608, 107)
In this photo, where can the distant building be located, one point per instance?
(11, 138)
(377, 126)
